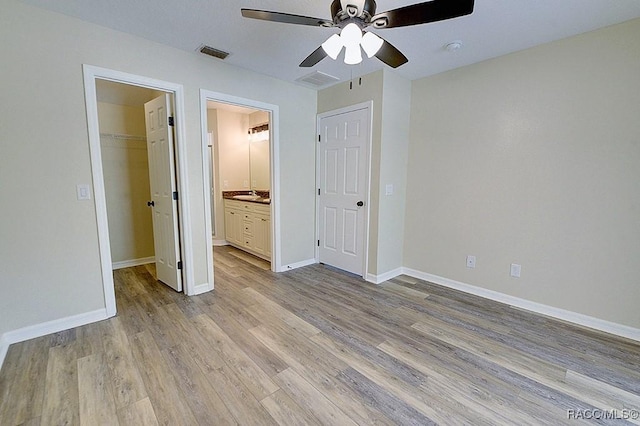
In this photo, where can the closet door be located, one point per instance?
(162, 180)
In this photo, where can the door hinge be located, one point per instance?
(171, 121)
(175, 195)
(318, 191)
(318, 138)
(180, 264)
(318, 243)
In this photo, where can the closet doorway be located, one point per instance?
(138, 164)
(123, 145)
(123, 131)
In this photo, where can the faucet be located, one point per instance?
(253, 192)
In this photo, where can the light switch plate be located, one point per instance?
(515, 270)
(83, 192)
(388, 189)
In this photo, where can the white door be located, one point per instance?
(343, 158)
(162, 179)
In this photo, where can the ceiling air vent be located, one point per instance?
(211, 51)
(318, 79)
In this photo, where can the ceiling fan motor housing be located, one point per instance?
(363, 10)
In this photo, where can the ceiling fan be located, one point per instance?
(353, 16)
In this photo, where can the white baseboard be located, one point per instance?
(42, 329)
(539, 308)
(297, 265)
(219, 242)
(378, 279)
(133, 262)
(4, 347)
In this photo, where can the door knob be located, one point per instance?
(360, 203)
(150, 203)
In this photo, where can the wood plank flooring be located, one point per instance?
(316, 346)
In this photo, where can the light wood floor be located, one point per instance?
(313, 346)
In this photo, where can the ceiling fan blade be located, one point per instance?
(286, 18)
(422, 13)
(390, 55)
(315, 57)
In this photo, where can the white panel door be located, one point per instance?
(162, 179)
(343, 153)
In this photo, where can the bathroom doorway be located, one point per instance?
(240, 144)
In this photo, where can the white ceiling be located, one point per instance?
(495, 28)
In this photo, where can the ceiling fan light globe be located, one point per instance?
(371, 43)
(351, 35)
(352, 55)
(333, 46)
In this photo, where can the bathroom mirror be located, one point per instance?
(259, 165)
(259, 158)
(242, 146)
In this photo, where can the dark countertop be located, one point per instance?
(264, 196)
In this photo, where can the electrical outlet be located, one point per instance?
(471, 261)
(388, 189)
(515, 270)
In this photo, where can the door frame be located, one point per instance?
(274, 158)
(363, 105)
(90, 75)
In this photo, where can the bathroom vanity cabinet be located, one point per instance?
(248, 226)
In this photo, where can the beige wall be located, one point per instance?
(51, 268)
(394, 151)
(390, 95)
(257, 118)
(534, 158)
(122, 119)
(126, 179)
